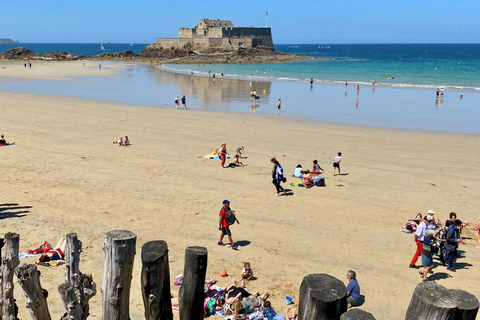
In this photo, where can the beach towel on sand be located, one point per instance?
(297, 184)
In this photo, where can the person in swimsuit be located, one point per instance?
(279, 105)
(177, 102)
(4, 142)
(56, 254)
(223, 154)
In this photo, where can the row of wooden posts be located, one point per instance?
(321, 296)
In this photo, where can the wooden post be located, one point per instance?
(431, 301)
(356, 314)
(322, 297)
(119, 247)
(467, 304)
(75, 297)
(73, 248)
(29, 279)
(191, 295)
(8, 307)
(156, 281)
(2, 242)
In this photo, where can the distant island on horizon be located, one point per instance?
(5, 40)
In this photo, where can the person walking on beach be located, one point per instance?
(223, 154)
(279, 105)
(277, 176)
(353, 289)
(358, 90)
(311, 81)
(226, 215)
(419, 236)
(184, 102)
(177, 102)
(336, 163)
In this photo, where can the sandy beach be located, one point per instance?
(65, 175)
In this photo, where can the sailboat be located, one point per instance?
(101, 47)
(131, 44)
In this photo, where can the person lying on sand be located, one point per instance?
(56, 254)
(307, 179)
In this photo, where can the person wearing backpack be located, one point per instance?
(227, 218)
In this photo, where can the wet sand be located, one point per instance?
(65, 175)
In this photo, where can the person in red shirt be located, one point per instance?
(224, 226)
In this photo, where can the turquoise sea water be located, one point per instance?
(406, 102)
(454, 66)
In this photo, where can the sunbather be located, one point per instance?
(56, 254)
(4, 142)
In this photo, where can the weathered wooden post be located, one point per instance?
(73, 247)
(8, 307)
(357, 314)
(156, 294)
(322, 297)
(78, 288)
(2, 242)
(119, 247)
(191, 295)
(29, 279)
(467, 304)
(431, 301)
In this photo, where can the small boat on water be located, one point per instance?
(101, 47)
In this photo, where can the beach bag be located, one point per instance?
(230, 217)
(320, 182)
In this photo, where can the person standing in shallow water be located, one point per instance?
(184, 102)
(279, 105)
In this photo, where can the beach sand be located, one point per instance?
(65, 175)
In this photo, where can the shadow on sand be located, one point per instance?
(12, 210)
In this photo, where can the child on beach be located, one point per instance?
(177, 102)
(316, 167)
(240, 151)
(126, 142)
(294, 314)
(270, 314)
(247, 272)
(336, 163)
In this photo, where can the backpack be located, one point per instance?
(320, 181)
(230, 217)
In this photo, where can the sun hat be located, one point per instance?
(226, 201)
(431, 211)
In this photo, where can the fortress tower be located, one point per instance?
(220, 33)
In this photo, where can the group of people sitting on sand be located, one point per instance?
(235, 302)
(122, 142)
(309, 178)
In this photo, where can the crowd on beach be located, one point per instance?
(433, 240)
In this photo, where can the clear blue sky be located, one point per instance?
(304, 21)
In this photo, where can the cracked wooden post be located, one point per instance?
(322, 297)
(73, 247)
(9, 263)
(357, 314)
(467, 304)
(119, 247)
(191, 295)
(2, 242)
(431, 301)
(78, 288)
(156, 294)
(75, 297)
(29, 279)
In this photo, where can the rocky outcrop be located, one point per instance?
(189, 53)
(18, 53)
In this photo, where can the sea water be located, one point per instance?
(406, 102)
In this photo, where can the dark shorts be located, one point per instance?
(226, 231)
(336, 165)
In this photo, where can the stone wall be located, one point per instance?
(230, 37)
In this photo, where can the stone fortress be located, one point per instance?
(220, 33)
